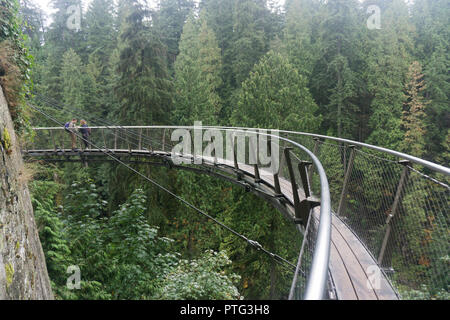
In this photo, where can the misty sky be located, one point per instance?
(45, 4)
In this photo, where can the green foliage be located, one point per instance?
(51, 232)
(15, 64)
(424, 294)
(201, 279)
(144, 87)
(276, 96)
(387, 68)
(169, 22)
(243, 30)
(432, 36)
(120, 257)
(73, 75)
(197, 75)
(261, 277)
(414, 115)
(300, 42)
(5, 140)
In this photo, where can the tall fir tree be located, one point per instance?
(388, 62)
(414, 112)
(250, 40)
(169, 21)
(197, 75)
(144, 87)
(276, 96)
(219, 15)
(243, 30)
(59, 33)
(300, 41)
(430, 18)
(100, 30)
(73, 80)
(33, 19)
(335, 81)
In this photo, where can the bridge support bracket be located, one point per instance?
(304, 209)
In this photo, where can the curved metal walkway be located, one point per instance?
(353, 271)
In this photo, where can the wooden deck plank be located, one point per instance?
(362, 286)
(381, 285)
(343, 283)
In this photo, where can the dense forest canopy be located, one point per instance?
(327, 67)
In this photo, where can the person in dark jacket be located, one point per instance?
(85, 133)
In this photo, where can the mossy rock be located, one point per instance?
(5, 139)
(9, 274)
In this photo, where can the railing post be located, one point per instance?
(236, 165)
(342, 202)
(315, 151)
(287, 154)
(62, 140)
(164, 140)
(115, 139)
(104, 139)
(53, 140)
(128, 143)
(148, 137)
(140, 139)
(398, 197)
(276, 176)
(255, 157)
(302, 168)
(276, 183)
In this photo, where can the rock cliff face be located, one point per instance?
(23, 272)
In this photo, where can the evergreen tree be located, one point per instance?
(197, 78)
(243, 30)
(197, 75)
(59, 34)
(144, 87)
(387, 68)
(58, 40)
(414, 113)
(300, 35)
(250, 41)
(72, 74)
(335, 81)
(33, 23)
(276, 96)
(169, 22)
(100, 31)
(430, 19)
(95, 89)
(219, 15)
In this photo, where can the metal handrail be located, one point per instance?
(431, 165)
(425, 163)
(317, 280)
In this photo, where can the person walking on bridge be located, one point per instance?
(71, 127)
(85, 133)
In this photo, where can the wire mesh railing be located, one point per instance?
(396, 210)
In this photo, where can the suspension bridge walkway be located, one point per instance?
(348, 200)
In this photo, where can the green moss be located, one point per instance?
(6, 140)
(9, 274)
